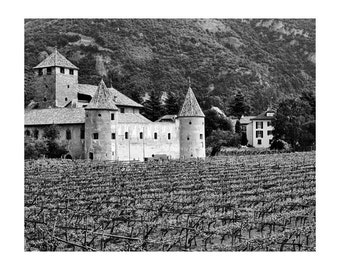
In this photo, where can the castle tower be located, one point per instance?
(191, 126)
(55, 82)
(100, 121)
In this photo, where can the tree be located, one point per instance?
(219, 138)
(171, 105)
(135, 96)
(244, 140)
(294, 123)
(239, 106)
(152, 107)
(214, 121)
(238, 127)
(55, 148)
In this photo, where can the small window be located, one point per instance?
(45, 99)
(269, 124)
(259, 134)
(122, 110)
(112, 116)
(91, 155)
(188, 138)
(68, 134)
(259, 141)
(259, 125)
(46, 85)
(40, 71)
(201, 136)
(49, 71)
(68, 86)
(95, 136)
(169, 136)
(126, 135)
(140, 135)
(62, 70)
(99, 115)
(113, 136)
(66, 99)
(190, 123)
(269, 132)
(71, 71)
(82, 133)
(87, 115)
(36, 133)
(27, 132)
(155, 135)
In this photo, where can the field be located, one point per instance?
(262, 202)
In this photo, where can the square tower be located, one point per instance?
(55, 82)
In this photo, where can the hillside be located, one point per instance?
(265, 59)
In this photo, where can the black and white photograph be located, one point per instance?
(188, 140)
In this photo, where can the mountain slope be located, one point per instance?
(265, 59)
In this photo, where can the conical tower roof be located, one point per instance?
(102, 99)
(190, 106)
(56, 59)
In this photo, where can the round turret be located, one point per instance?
(191, 128)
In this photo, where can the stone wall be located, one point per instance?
(66, 86)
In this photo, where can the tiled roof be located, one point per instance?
(121, 99)
(56, 60)
(132, 118)
(55, 116)
(190, 106)
(102, 99)
(263, 116)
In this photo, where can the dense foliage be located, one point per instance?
(265, 60)
(238, 203)
(48, 146)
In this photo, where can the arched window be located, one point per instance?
(141, 135)
(169, 136)
(126, 135)
(155, 135)
(68, 134)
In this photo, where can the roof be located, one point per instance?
(54, 116)
(263, 116)
(132, 118)
(246, 119)
(167, 118)
(56, 59)
(121, 99)
(190, 106)
(102, 99)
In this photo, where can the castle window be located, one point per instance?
(169, 136)
(95, 136)
(259, 141)
(68, 134)
(87, 115)
(99, 115)
(190, 123)
(49, 71)
(113, 136)
(155, 135)
(62, 70)
(201, 136)
(66, 99)
(188, 138)
(141, 135)
(71, 71)
(112, 116)
(40, 71)
(27, 132)
(82, 133)
(46, 85)
(126, 135)
(259, 134)
(122, 110)
(36, 133)
(259, 125)
(68, 86)
(45, 99)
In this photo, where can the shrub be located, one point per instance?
(279, 144)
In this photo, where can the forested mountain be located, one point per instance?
(265, 59)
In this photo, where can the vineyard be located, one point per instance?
(234, 203)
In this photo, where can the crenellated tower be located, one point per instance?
(100, 121)
(192, 128)
(55, 82)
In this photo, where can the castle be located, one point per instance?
(100, 123)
